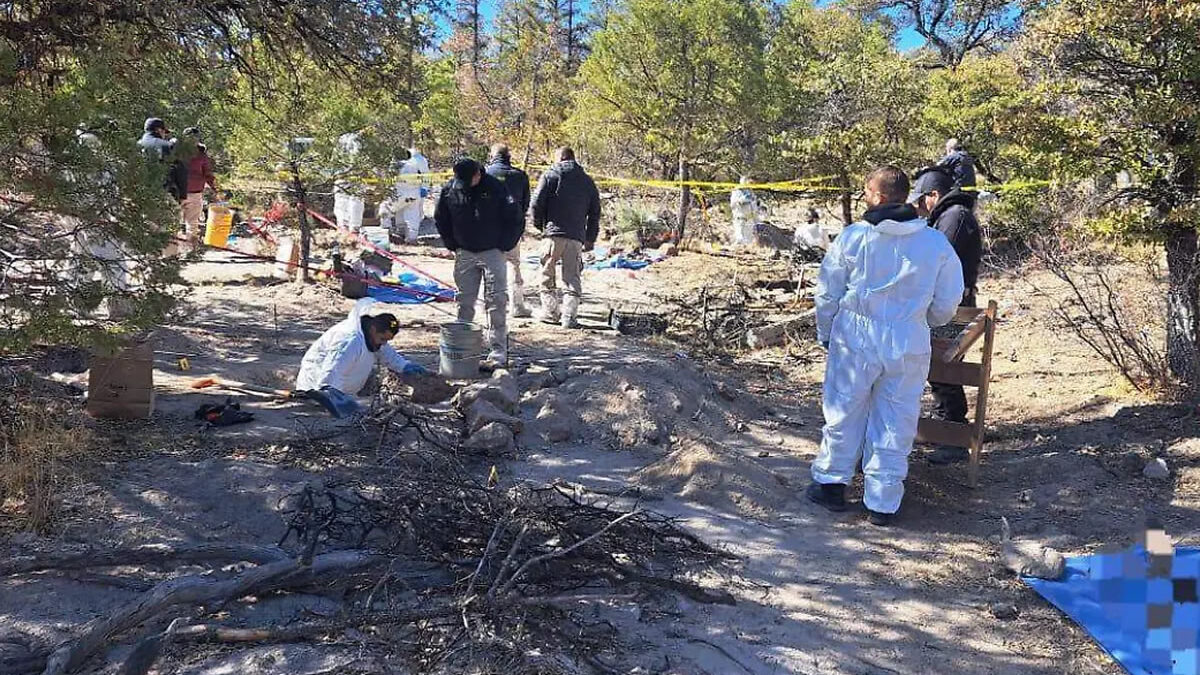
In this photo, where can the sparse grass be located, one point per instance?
(40, 451)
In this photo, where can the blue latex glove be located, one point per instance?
(411, 368)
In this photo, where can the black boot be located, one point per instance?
(880, 519)
(831, 496)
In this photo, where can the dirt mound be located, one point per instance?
(700, 470)
(638, 405)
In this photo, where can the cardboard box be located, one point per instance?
(121, 384)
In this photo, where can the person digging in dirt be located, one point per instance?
(885, 280)
(517, 181)
(478, 220)
(566, 210)
(952, 211)
(336, 367)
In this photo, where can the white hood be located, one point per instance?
(900, 228)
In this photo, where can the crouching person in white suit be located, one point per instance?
(884, 282)
(336, 367)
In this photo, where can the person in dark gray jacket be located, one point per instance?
(517, 181)
(566, 209)
(958, 163)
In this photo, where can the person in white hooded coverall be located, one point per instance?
(883, 283)
(348, 206)
(411, 194)
(743, 205)
(336, 367)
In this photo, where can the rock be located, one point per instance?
(537, 380)
(1029, 558)
(505, 381)
(1157, 469)
(493, 438)
(499, 391)
(555, 425)
(725, 391)
(428, 388)
(668, 249)
(1005, 611)
(482, 413)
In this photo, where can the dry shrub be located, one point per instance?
(38, 455)
(1114, 300)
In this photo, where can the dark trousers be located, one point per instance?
(949, 400)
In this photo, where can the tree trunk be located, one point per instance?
(1183, 306)
(847, 197)
(302, 211)
(685, 198)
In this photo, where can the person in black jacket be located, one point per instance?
(478, 220)
(566, 209)
(952, 211)
(959, 164)
(517, 181)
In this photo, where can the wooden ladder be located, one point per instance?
(947, 366)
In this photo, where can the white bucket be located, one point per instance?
(460, 348)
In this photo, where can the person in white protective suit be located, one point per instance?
(743, 204)
(96, 256)
(348, 206)
(884, 282)
(336, 367)
(411, 193)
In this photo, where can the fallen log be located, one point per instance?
(776, 333)
(197, 589)
(150, 554)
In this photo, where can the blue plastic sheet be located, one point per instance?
(619, 262)
(422, 290)
(1146, 615)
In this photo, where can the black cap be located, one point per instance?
(465, 169)
(932, 179)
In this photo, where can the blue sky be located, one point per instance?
(906, 40)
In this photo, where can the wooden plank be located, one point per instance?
(965, 339)
(958, 372)
(758, 338)
(940, 432)
(940, 345)
(981, 395)
(966, 314)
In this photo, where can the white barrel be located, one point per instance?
(460, 347)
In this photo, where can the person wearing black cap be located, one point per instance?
(336, 367)
(937, 198)
(479, 220)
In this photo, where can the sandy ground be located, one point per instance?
(727, 452)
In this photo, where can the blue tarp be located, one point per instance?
(619, 262)
(1145, 614)
(426, 291)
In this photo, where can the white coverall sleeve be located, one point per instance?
(388, 356)
(831, 286)
(948, 293)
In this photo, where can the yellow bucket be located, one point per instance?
(220, 222)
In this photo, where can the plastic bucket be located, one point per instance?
(460, 347)
(220, 222)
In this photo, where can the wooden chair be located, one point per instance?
(948, 367)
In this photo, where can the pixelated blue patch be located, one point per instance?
(1111, 596)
